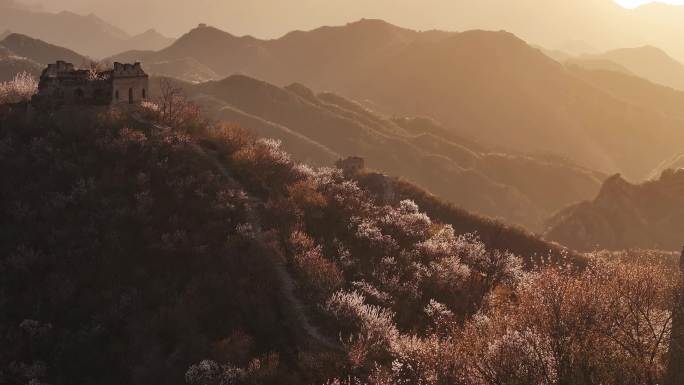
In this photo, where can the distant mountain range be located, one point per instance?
(490, 86)
(634, 90)
(11, 65)
(578, 26)
(647, 62)
(40, 51)
(533, 121)
(321, 128)
(624, 215)
(20, 53)
(89, 34)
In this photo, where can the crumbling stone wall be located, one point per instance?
(130, 84)
(62, 84)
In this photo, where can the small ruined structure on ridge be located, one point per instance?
(63, 84)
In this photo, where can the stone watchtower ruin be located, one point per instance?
(63, 84)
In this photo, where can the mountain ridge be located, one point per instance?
(625, 216)
(460, 171)
(478, 84)
(88, 34)
(648, 62)
(40, 51)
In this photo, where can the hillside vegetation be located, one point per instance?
(185, 252)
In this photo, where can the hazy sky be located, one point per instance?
(271, 18)
(636, 3)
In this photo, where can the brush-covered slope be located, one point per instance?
(325, 127)
(495, 234)
(12, 64)
(137, 248)
(177, 250)
(624, 215)
(490, 86)
(121, 256)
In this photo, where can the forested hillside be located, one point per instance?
(186, 252)
(309, 201)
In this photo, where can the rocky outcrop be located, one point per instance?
(625, 215)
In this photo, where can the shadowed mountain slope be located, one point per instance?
(325, 127)
(40, 51)
(596, 64)
(624, 215)
(635, 90)
(494, 87)
(87, 34)
(150, 39)
(11, 65)
(648, 62)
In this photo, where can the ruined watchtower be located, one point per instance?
(63, 84)
(130, 84)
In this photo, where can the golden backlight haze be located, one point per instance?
(598, 24)
(637, 3)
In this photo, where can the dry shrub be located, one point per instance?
(176, 110)
(609, 324)
(304, 195)
(319, 275)
(236, 348)
(262, 370)
(264, 166)
(230, 137)
(19, 89)
(149, 111)
(374, 324)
